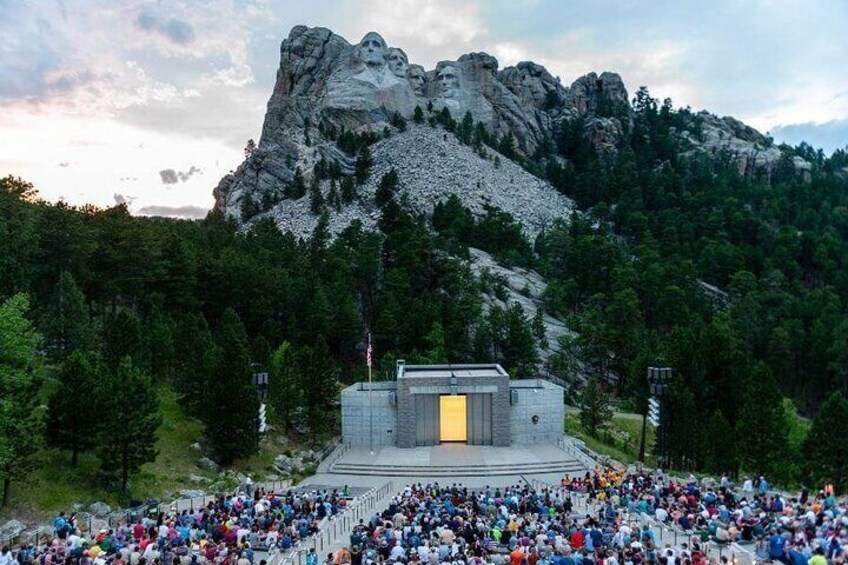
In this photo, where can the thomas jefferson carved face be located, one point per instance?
(398, 62)
(416, 79)
(449, 81)
(372, 50)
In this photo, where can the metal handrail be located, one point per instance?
(335, 527)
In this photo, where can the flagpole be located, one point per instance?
(370, 400)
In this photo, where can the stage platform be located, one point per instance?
(453, 461)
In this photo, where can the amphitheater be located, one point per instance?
(462, 425)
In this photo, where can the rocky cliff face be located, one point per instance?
(326, 85)
(728, 138)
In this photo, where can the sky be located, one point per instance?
(150, 103)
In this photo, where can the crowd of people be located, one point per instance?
(615, 525)
(229, 530)
(794, 530)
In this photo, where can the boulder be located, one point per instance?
(208, 465)
(11, 529)
(99, 509)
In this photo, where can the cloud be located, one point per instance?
(188, 212)
(124, 199)
(828, 136)
(184, 176)
(170, 176)
(178, 31)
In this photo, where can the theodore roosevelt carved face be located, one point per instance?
(416, 78)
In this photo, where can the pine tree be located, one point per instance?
(316, 198)
(348, 190)
(826, 447)
(195, 349)
(386, 189)
(128, 424)
(466, 129)
(71, 425)
(285, 392)
(539, 328)
(320, 387)
(21, 416)
(418, 115)
(248, 207)
(159, 341)
(362, 166)
(518, 348)
(297, 187)
(333, 198)
(437, 350)
(67, 326)
(232, 407)
(761, 429)
(595, 410)
(718, 453)
(122, 337)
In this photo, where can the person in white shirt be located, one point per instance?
(748, 488)
(397, 552)
(661, 514)
(6, 556)
(423, 551)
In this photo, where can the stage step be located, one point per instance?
(547, 467)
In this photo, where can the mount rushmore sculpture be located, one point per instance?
(326, 84)
(323, 79)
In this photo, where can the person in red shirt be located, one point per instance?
(138, 531)
(576, 540)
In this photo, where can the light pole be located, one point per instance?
(260, 381)
(659, 379)
(370, 397)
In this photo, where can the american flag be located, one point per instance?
(368, 355)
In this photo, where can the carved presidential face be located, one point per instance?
(415, 75)
(372, 50)
(398, 62)
(449, 81)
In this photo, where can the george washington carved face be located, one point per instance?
(372, 50)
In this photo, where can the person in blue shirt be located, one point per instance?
(776, 546)
(796, 557)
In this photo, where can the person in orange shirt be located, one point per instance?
(516, 556)
(343, 556)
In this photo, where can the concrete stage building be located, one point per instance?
(429, 405)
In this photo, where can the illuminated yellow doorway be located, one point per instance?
(452, 418)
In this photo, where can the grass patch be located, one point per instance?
(55, 485)
(619, 439)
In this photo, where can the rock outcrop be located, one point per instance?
(325, 85)
(431, 166)
(750, 151)
(524, 287)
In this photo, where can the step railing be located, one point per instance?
(333, 528)
(337, 454)
(567, 444)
